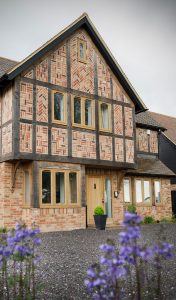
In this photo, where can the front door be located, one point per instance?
(99, 193)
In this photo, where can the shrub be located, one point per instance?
(149, 220)
(99, 211)
(127, 267)
(131, 208)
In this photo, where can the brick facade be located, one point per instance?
(6, 105)
(59, 142)
(26, 101)
(118, 120)
(129, 151)
(128, 121)
(7, 139)
(147, 142)
(59, 66)
(105, 147)
(25, 137)
(42, 139)
(84, 145)
(119, 149)
(42, 71)
(42, 104)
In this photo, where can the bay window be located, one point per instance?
(59, 188)
(143, 191)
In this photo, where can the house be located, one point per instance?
(69, 140)
(167, 148)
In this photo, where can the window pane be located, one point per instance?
(59, 107)
(104, 114)
(138, 191)
(77, 110)
(81, 50)
(60, 188)
(27, 187)
(146, 191)
(73, 187)
(157, 192)
(46, 187)
(88, 112)
(108, 201)
(126, 190)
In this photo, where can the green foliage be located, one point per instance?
(3, 230)
(169, 220)
(131, 208)
(99, 211)
(149, 220)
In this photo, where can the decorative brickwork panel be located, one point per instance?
(105, 147)
(118, 92)
(128, 121)
(119, 151)
(118, 120)
(7, 139)
(129, 151)
(0, 109)
(59, 66)
(25, 137)
(26, 100)
(59, 141)
(142, 140)
(7, 106)
(42, 104)
(116, 89)
(29, 74)
(82, 73)
(153, 141)
(42, 139)
(42, 71)
(104, 83)
(83, 145)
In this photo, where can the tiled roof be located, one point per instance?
(146, 119)
(6, 64)
(168, 122)
(147, 165)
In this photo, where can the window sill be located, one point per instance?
(83, 126)
(59, 122)
(105, 130)
(60, 206)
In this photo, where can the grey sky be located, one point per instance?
(140, 33)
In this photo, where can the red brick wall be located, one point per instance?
(6, 104)
(26, 137)
(83, 144)
(128, 121)
(129, 151)
(158, 212)
(118, 119)
(26, 100)
(42, 139)
(119, 149)
(42, 104)
(59, 66)
(105, 147)
(59, 143)
(145, 142)
(42, 70)
(82, 75)
(7, 139)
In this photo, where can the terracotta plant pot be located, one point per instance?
(100, 221)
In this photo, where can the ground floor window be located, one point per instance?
(157, 191)
(127, 190)
(145, 191)
(59, 187)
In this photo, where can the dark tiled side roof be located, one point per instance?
(168, 122)
(6, 64)
(151, 166)
(145, 119)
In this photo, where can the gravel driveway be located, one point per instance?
(67, 255)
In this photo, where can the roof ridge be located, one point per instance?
(162, 114)
(9, 59)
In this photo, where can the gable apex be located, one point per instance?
(82, 22)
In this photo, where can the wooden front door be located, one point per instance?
(98, 194)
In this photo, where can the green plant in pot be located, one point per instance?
(100, 218)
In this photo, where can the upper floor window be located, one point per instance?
(83, 112)
(82, 50)
(59, 107)
(59, 187)
(105, 116)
